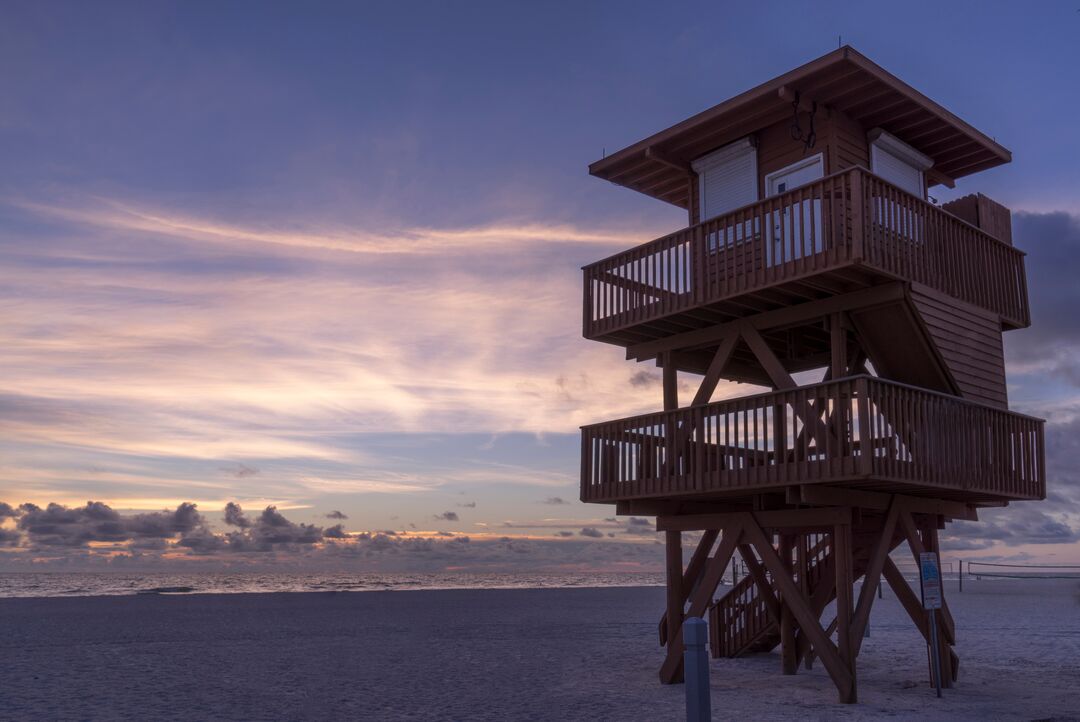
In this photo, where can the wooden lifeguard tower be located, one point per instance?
(813, 266)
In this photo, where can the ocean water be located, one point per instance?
(75, 584)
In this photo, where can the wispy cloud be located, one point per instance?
(115, 215)
(156, 335)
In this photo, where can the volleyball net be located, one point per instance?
(999, 570)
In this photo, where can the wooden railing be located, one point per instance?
(917, 241)
(850, 429)
(846, 218)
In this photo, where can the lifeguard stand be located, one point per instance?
(812, 251)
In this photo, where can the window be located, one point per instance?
(727, 178)
(899, 163)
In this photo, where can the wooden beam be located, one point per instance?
(936, 177)
(781, 379)
(653, 154)
(670, 372)
(821, 495)
(715, 370)
(693, 574)
(907, 597)
(778, 519)
(765, 590)
(789, 663)
(671, 382)
(674, 507)
(676, 601)
(838, 345)
(791, 315)
(845, 580)
(872, 576)
(671, 670)
(826, 651)
(630, 284)
(819, 599)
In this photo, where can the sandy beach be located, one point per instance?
(545, 654)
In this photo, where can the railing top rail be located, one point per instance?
(811, 387)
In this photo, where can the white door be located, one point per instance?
(796, 226)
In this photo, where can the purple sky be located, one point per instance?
(327, 258)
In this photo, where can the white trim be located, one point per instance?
(894, 146)
(818, 159)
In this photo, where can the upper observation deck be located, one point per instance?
(837, 234)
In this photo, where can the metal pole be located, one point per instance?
(696, 668)
(935, 652)
(961, 575)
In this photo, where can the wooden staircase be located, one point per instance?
(740, 622)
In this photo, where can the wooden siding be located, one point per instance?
(969, 341)
(847, 145)
(777, 149)
(898, 346)
(983, 213)
(840, 140)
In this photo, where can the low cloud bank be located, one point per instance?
(96, 536)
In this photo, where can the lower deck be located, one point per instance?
(861, 432)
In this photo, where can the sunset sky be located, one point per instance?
(326, 256)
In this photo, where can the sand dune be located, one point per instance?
(546, 654)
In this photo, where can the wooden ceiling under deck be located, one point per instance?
(844, 80)
(862, 494)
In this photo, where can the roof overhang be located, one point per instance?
(845, 80)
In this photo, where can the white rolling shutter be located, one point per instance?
(898, 163)
(727, 178)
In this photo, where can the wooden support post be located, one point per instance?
(693, 573)
(822, 594)
(671, 381)
(838, 346)
(845, 579)
(803, 567)
(800, 607)
(671, 403)
(872, 576)
(675, 599)
(789, 663)
(672, 669)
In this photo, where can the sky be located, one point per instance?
(322, 261)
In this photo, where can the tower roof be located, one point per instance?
(843, 79)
